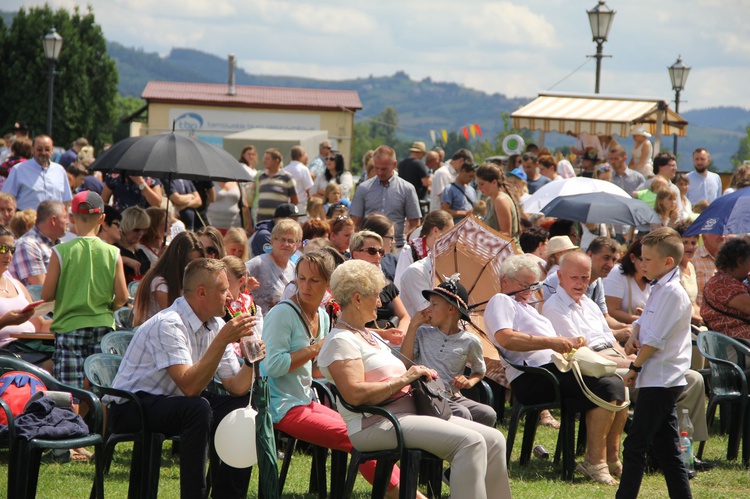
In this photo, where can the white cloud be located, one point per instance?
(509, 24)
(516, 47)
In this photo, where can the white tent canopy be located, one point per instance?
(598, 114)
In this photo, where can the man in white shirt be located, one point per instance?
(446, 175)
(574, 314)
(704, 185)
(302, 177)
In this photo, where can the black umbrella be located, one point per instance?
(169, 156)
(601, 207)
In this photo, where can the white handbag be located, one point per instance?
(585, 362)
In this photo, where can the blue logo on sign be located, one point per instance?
(189, 121)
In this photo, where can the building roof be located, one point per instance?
(597, 114)
(216, 94)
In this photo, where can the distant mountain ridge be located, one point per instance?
(421, 105)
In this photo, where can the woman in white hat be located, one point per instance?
(556, 248)
(641, 155)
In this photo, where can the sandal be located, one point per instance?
(81, 455)
(596, 472)
(615, 468)
(547, 419)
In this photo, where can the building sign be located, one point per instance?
(208, 120)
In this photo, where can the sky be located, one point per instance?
(517, 48)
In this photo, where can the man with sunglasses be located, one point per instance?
(446, 174)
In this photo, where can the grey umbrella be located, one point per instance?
(601, 207)
(169, 156)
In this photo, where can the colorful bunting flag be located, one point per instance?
(473, 131)
(479, 130)
(432, 136)
(445, 136)
(465, 131)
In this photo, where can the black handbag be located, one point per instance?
(430, 395)
(430, 398)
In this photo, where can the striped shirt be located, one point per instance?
(174, 336)
(274, 190)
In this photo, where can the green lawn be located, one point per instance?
(539, 479)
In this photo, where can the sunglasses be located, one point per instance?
(4, 248)
(604, 168)
(330, 158)
(373, 251)
(212, 250)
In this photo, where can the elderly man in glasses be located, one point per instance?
(524, 337)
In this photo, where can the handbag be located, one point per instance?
(585, 362)
(429, 395)
(429, 398)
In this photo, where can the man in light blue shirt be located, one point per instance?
(38, 179)
(389, 194)
(317, 165)
(703, 183)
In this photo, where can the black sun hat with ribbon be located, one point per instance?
(453, 292)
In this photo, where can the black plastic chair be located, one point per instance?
(566, 436)
(728, 388)
(319, 455)
(410, 459)
(25, 456)
(100, 370)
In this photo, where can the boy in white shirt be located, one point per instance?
(661, 338)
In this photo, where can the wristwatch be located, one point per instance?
(141, 186)
(635, 368)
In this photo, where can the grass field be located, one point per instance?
(539, 479)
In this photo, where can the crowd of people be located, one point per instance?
(334, 273)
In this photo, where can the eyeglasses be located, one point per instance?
(140, 230)
(389, 237)
(373, 251)
(212, 250)
(4, 248)
(285, 240)
(330, 158)
(536, 286)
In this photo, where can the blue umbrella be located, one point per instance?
(601, 207)
(728, 214)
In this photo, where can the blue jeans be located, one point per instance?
(654, 422)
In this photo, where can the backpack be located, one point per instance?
(16, 388)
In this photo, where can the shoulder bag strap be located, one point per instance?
(595, 398)
(302, 319)
(724, 312)
(630, 295)
(463, 191)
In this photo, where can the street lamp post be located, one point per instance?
(600, 18)
(52, 43)
(678, 73)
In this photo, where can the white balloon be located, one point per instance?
(235, 438)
